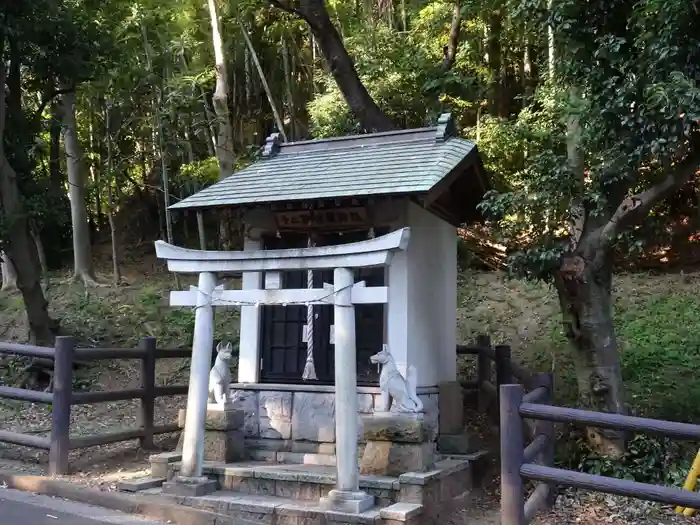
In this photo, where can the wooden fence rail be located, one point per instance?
(518, 461)
(63, 398)
(494, 367)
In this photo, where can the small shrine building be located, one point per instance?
(330, 192)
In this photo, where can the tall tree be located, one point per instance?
(225, 153)
(77, 180)
(20, 249)
(621, 136)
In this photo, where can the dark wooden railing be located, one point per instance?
(490, 359)
(535, 462)
(64, 353)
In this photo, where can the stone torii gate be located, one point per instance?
(343, 295)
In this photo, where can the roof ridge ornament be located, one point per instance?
(272, 145)
(445, 127)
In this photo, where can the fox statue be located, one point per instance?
(220, 376)
(394, 386)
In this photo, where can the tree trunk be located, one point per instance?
(20, 250)
(550, 45)
(95, 172)
(450, 50)
(55, 151)
(341, 66)
(288, 88)
(111, 175)
(9, 273)
(82, 256)
(41, 254)
(584, 285)
(224, 144)
(225, 154)
(496, 98)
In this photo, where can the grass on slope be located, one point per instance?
(118, 317)
(657, 320)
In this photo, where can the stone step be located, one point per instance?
(140, 484)
(266, 509)
(301, 482)
(300, 458)
(440, 491)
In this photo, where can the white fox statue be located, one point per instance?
(220, 376)
(394, 386)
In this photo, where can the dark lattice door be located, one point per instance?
(369, 318)
(283, 351)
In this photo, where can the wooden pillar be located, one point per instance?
(60, 407)
(193, 441)
(512, 456)
(148, 383)
(483, 372)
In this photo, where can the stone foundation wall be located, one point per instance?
(289, 413)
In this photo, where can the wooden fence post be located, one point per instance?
(512, 456)
(548, 454)
(504, 374)
(61, 405)
(148, 383)
(483, 372)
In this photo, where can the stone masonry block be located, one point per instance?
(247, 401)
(275, 413)
(455, 443)
(451, 407)
(229, 418)
(313, 417)
(384, 458)
(190, 487)
(432, 410)
(365, 403)
(401, 511)
(228, 446)
(139, 484)
(395, 428)
(161, 463)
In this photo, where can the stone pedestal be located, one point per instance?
(223, 433)
(396, 444)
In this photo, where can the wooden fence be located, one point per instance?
(518, 462)
(494, 367)
(64, 353)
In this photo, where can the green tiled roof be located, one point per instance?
(391, 163)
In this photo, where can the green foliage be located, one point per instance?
(200, 173)
(658, 461)
(635, 94)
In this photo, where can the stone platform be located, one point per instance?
(290, 493)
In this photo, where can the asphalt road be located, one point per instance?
(21, 508)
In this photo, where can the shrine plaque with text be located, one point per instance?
(332, 219)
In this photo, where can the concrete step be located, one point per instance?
(301, 458)
(265, 509)
(301, 482)
(438, 492)
(140, 484)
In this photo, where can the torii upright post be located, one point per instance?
(198, 391)
(346, 497)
